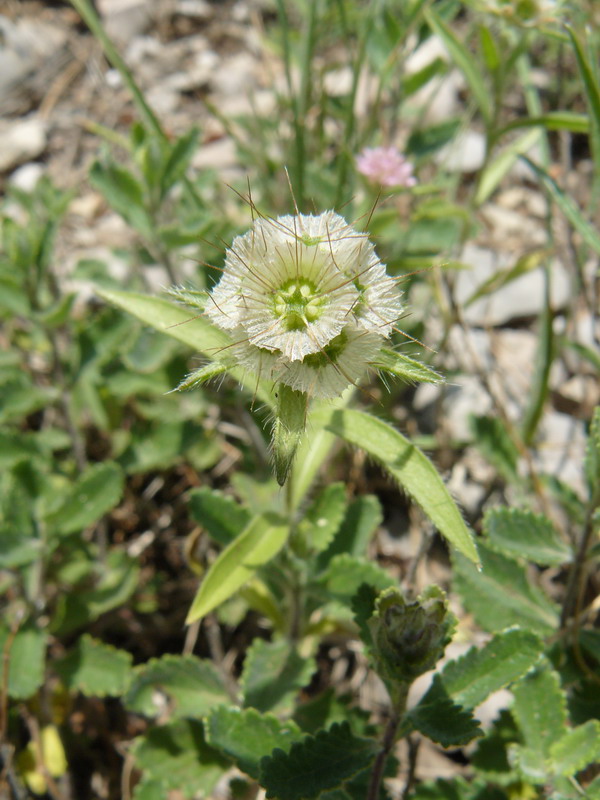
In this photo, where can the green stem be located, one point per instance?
(389, 739)
(91, 19)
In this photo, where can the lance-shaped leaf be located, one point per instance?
(408, 369)
(195, 331)
(410, 467)
(262, 539)
(316, 764)
(567, 205)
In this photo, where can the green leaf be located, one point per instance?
(540, 383)
(465, 62)
(497, 280)
(422, 143)
(502, 595)
(455, 789)
(95, 668)
(324, 516)
(552, 121)
(20, 398)
(26, 652)
(16, 447)
(188, 686)
(199, 334)
(491, 437)
(362, 518)
(201, 376)
(540, 709)
(567, 205)
(413, 470)
(498, 167)
(179, 159)
(523, 534)
(469, 680)
(222, 516)
(408, 369)
(290, 422)
(443, 721)
(95, 493)
(592, 92)
(592, 455)
(245, 735)
(578, 747)
(317, 764)
(123, 193)
(18, 547)
(345, 574)
(117, 580)
(260, 541)
(273, 674)
(179, 758)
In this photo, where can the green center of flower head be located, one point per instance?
(328, 354)
(298, 303)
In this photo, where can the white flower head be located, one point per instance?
(307, 302)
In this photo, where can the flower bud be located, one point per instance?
(409, 637)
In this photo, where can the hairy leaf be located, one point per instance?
(177, 756)
(323, 517)
(523, 534)
(273, 674)
(443, 721)
(317, 764)
(245, 735)
(25, 651)
(413, 470)
(502, 595)
(540, 709)
(578, 747)
(362, 518)
(95, 492)
(506, 657)
(221, 516)
(187, 685)
(346, 573)
(408, 369)
(199, 334)
(95, 668)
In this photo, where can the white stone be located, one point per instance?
(465, 153)
(21, 140)
(523, 297)
(27, 176)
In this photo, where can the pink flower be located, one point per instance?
(386, 166)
